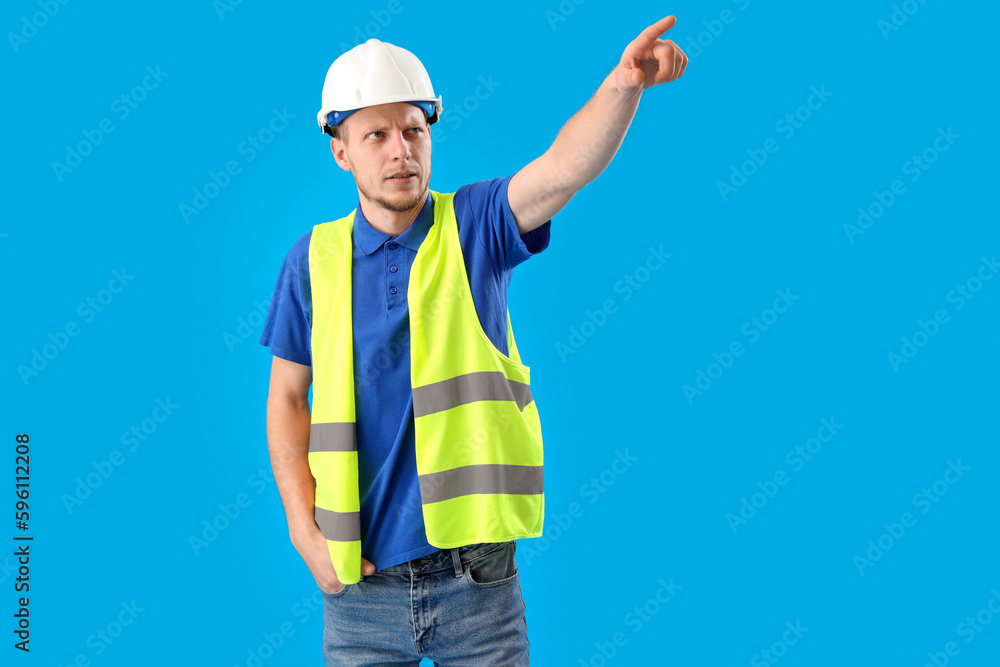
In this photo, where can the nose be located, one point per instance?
(400, 148)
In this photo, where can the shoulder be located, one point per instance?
(297, 258)
(475, 197)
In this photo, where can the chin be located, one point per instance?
(402, 200)
(414, 189)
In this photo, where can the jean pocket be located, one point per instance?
(335, 595)
(497, 568)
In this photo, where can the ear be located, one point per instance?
(339, 153)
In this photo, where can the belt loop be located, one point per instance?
(457, 560)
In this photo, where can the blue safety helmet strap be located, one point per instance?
(336, 117)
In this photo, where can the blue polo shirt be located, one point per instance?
(392, 524)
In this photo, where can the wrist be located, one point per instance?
(619, 83)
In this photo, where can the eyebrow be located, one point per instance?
(381, 128)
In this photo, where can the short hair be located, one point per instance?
(337, 131)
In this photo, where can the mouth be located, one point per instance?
(402, 177)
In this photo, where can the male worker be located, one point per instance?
(420, 461)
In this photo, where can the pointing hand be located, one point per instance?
(648, 60)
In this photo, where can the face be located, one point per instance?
(383, 142)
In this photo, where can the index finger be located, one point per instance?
(648, 37)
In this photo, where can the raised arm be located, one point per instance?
(589, 140)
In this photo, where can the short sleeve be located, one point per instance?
(497, 229)
(288, 325)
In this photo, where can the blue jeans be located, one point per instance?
(459, 606)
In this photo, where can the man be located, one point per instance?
(420, 461)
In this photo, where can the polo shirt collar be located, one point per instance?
(368, 239)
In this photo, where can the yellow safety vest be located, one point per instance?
(478, 438)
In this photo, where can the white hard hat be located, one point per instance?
(375, 73)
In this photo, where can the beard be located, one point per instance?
(406, 201)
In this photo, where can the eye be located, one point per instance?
(417, 128)
(375, 132)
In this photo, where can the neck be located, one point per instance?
(388, 221)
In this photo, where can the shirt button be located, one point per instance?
(392, 290)
(393, 269)
(392, 246)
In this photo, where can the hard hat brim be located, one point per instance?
(323, 116)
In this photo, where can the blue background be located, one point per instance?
(184, 327)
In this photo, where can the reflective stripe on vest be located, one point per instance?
(477, 434)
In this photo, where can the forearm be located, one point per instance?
(581, 151)
(589, 140)
(288, 425)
